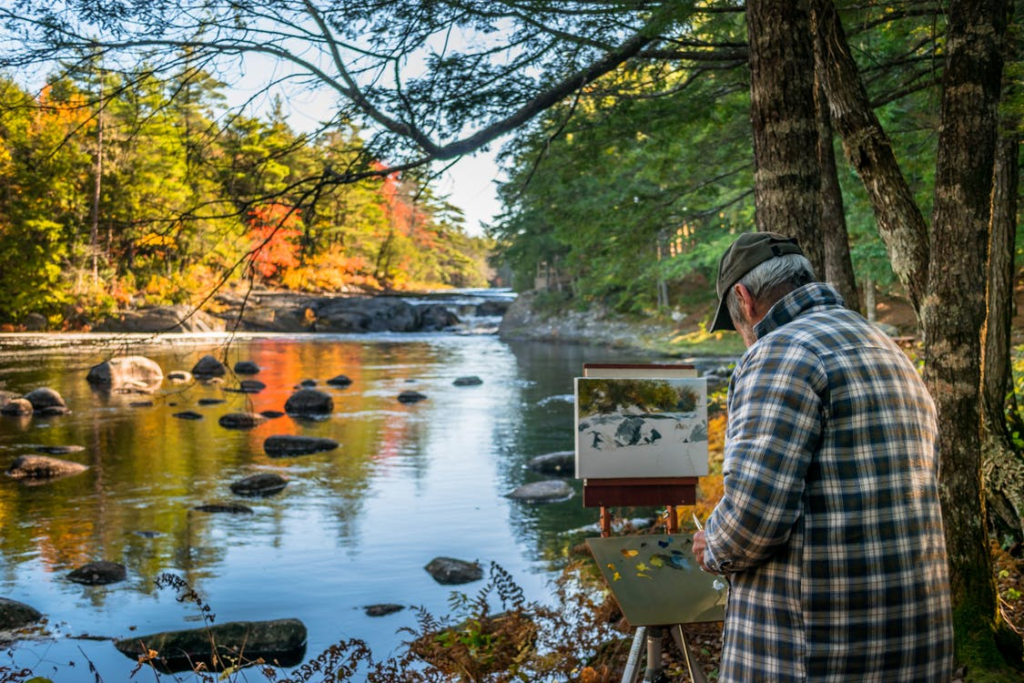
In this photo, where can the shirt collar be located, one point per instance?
(795, 304)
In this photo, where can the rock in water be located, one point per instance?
(309, 402)
(45, 397)
(382, 610)
(241, 420)
(560, 463)
(130, 371)
(284, 445)
(208, 367)
(16, 407)
(470, 381)
(188, 415)
(262, 484)
(15, 615)
(339, 381)
(548, 491)
(229, 508)
(99, 573)
(281, 642)
(251, 386)
(411, 397)
(449, 571)
(246, 367)
(43, 467)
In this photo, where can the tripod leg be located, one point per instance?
(633, 660)
(654, 673)
(696, 675)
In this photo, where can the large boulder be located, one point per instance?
(367, 314)
(262, 484)
(44, 398)
(435, 317)
(309, 402)
(207, 367)
(280, 641)
(548, 491)
(15, 615)
(450, 571)
(286, 445)
(137, 372)
(43, 467)
(99, 573)
(180, 318)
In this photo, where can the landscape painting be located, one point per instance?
(641, 428)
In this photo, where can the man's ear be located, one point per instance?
(747, 303)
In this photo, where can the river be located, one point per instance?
(354, 527)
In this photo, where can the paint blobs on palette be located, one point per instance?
(626, 552)
(616, 576)
(674, 561)
(665, 544)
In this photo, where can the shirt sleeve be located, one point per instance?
(775, 426)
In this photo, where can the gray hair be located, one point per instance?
(771, 280)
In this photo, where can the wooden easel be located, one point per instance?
(606, 493)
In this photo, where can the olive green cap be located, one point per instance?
(750, 249)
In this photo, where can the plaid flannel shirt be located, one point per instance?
(830, 527)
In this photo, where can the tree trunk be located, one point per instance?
(955, 306)
(97, 190)
(838, 265)
(1002, 463)
(787, 180)
(867, 147)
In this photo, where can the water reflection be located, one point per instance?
(355, 526)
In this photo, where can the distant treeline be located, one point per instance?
(122, 190)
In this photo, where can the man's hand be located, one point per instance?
(699, 545)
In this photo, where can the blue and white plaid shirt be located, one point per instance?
(830, 527)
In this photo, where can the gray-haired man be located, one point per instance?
(829, 525)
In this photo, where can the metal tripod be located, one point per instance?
(653, 672)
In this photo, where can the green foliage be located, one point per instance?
(602, 397)
(181, 191)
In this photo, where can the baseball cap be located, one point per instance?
(750, 249)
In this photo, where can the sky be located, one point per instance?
(470, 184)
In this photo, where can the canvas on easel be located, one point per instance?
(637, 424)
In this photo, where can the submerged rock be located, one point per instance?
(210, 401)
(382, 610)
(450, 571)
(470, 381)
(126, 371)
(560, 462)
(188, 415)
(251, 386)
(262, 484)
(410, 396)
(208, 367)
(271, 414)
(229, 508)
(59, 450)
(43, 467)
(180, 376)
(309, 402)
(339, 381)
(15, 615)
(280, 642)
(547, 491)
(99, 573)
(241, 420)
(285, 445)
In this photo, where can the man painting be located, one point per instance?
(829, 528)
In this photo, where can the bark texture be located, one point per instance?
(954, 309)
(836, 241)
(787, 181)
(867, 148)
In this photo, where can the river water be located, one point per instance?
(354, 527)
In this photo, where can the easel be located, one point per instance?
(647, 492)
(603, 493)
